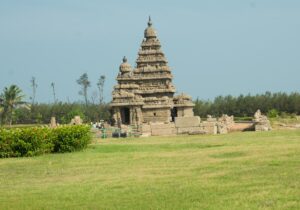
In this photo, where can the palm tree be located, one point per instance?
(10, 98)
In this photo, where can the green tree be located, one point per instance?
(11, 98)
(53, 91)
(84, 82)
(34, 87)
(100, 85)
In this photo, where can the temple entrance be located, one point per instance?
(174, 113)
(125, 115)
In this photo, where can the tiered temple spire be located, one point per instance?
(144, 94)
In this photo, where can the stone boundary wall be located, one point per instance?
(182, 125)
(193, 125)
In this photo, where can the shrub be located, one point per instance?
(273, 113)
(32, 141)
(71, 138)
(25, 142)
(7, 138)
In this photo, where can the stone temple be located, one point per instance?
(145, 94)
(144, 98)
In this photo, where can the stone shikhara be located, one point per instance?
(145, 94)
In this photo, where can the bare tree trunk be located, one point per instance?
(85, 96)
(10, 117)
(53, 92)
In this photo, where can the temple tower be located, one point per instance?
(145, 94)
(155, 83)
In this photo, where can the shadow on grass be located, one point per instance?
(229, 155)
(149, 148)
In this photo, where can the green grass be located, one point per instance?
(235, 171)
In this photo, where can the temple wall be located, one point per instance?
(156, 115)
(185, 111)
(184, 125)
(163, 129)
(184, 122)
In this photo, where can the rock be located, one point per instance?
(261, 122)
(225, 123)
(53, 122)
(76, 121)
(209, 127)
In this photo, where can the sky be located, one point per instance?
(214, 47)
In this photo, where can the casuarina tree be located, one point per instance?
(34, 87)
(84, 82)
(100, 85)
(53, 91)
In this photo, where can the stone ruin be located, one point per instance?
(144, 97)
(53, 123)
(261, 122)
(76, 121)
(190, 125)
(225, 123)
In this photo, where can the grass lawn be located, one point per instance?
(235, 171)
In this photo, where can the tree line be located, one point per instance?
(13, 108)
(273, 104)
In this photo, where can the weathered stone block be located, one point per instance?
(163, 132)
(146, 128)
(190, 130)
(53, 122)
(162, 126)
(209, 127)
(185, 112)
(222, 128)
(263, 127)
(186, 122)
(162, 129)
(76, 121)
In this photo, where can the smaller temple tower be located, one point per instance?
(126, 102)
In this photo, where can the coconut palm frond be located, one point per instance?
(11, 98)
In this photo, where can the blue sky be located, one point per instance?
(213, 47)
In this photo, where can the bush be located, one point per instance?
(25, 142)
(71, 138)
(7, 137)
(273, 113)
(33, 141)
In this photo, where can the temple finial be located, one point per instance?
(149, 21)
(124, 59)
